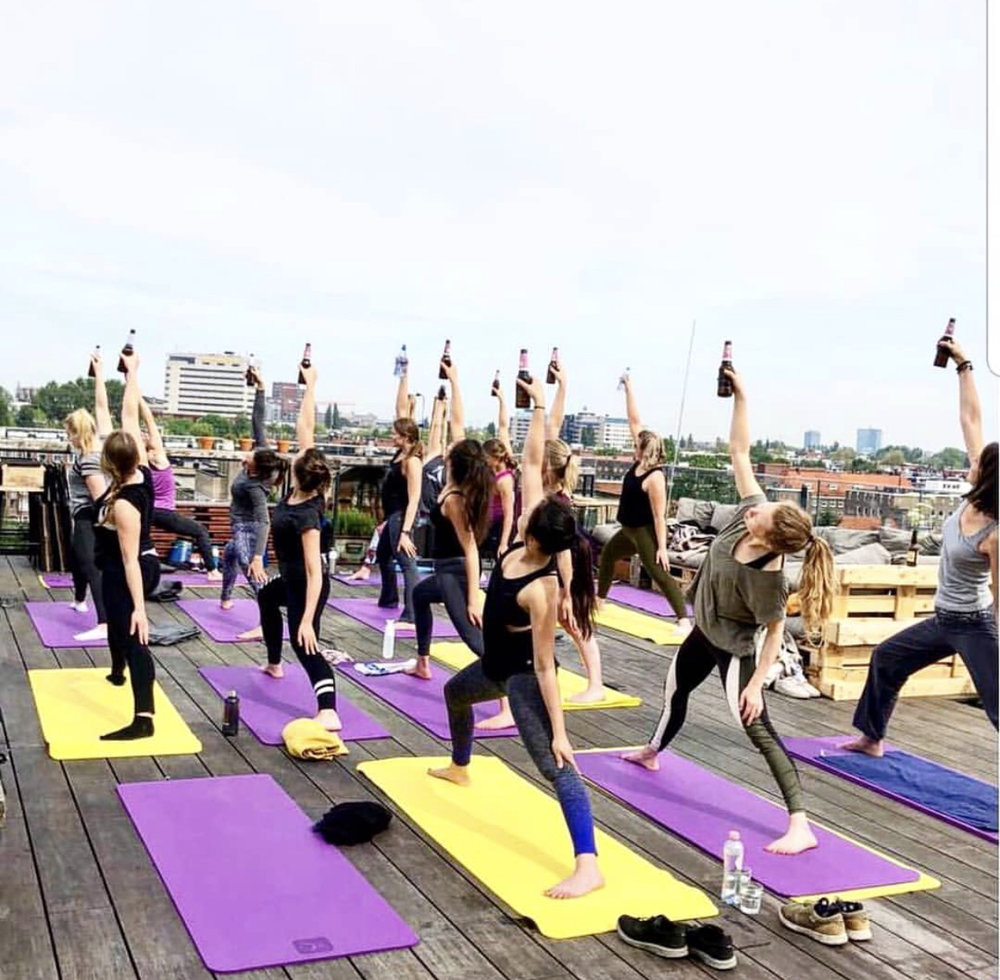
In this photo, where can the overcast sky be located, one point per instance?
(806, 178)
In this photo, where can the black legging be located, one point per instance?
(292, 594)
(124, 645)
(187, 527)
(449, 584)
(85, 571)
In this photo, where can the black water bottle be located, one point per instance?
(231, 714)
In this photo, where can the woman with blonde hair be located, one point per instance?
(741, 585)
(642, 513)
(86, 483)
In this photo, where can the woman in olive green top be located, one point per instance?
(740, 586)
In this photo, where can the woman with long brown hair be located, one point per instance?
(127, 559)
(400, 503)
(740, 586)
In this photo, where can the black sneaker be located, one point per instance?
(657, 935)
(712, 946)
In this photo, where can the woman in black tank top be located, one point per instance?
(519, 622)
(129, 565)
(458, 523)
(642, 513)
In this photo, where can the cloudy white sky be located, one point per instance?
(806, 178)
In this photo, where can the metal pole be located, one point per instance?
(680, 418)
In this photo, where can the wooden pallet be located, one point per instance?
(893, 591)
(948, 679)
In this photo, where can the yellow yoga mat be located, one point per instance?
(640, 624)
(458, 655)
(75, 707)
(513, 838)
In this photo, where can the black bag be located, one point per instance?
(352, 823)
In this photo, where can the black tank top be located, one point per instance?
(507, 652)
(394, 493)
(446, 543)
(634, 509)
(107, 550)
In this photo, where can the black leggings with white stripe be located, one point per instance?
(270, 598)
(692, 665)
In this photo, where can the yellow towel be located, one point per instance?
(306, 738)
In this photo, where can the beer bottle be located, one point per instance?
(442, 394)
(942, 354)
(911, 552)
(550, 378)
(521, 398)
(251, 380)
(90, 370)
(495, 389)
(128, 349)
(306, 362)
(445, 361)
(725, 387)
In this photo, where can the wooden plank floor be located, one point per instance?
(79, 897)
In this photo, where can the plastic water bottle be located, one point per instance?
(402, 363)
(231, 714)
(331, 557)
(389, 640)
(732, 865)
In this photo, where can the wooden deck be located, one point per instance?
(80, 898)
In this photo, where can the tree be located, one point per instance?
(491, 430)
(669, 449)
(587, 436)
(894, 457)
(328, 418)
(844, 454)
(950, 458)
(6, 413)
(336, 420)
(26, 415)
(827, 518)
(218, 426)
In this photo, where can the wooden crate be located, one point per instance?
(893, 591)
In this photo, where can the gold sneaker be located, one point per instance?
(855, 920)
(820, 920)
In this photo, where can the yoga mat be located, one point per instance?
(268, 704)
(642, 625)
(648, 600)
(56, 622)
(947, 794)
(458, 655)
(254, 886)
(190, 580)
(366, 610)
(224, 625)
(344, 578)
(702, 808)
(511, 835)
(77, 705)
(422, 701)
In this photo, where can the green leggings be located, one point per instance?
(629, 541)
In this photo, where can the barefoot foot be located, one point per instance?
(866, 745)
(215, 576)
(273, 670)
(589, 696)
(226, 604)
(459, 775)
(585, 879)
(252, 634)
(503, 720)
(329, 719)
(798, 838)
(647, 757)
(421, 669)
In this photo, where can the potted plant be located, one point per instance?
(203, 432)
(284, 442)
(353, 532)
(241, 425)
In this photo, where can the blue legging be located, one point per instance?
(469, 687)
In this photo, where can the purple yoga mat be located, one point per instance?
(190, 580)
(367, 611)
(812, 750)
(648, 600)
(423, 701)
(268, 704)
(702, 807)
(56, 622)
(224, 625)
(253, 884)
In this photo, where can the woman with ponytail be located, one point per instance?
(458, 523)
(965, 605)
(519, 624)
(501, 515)
(642, 513)
(740, 586)
(127, 559)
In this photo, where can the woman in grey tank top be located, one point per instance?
(965, 607)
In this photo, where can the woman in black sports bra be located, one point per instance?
(519, 622)
(458, 522)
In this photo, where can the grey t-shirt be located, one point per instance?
(83, 465)
(732, 599)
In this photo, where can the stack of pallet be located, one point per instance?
(875, 602)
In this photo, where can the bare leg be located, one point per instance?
(590, 654)
(585, 878)
(798, 838)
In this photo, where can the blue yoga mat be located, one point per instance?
(926, 784)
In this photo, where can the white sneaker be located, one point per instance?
(792, 688)
(99, 632)
(80, 607)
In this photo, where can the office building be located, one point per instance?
(207, 384)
